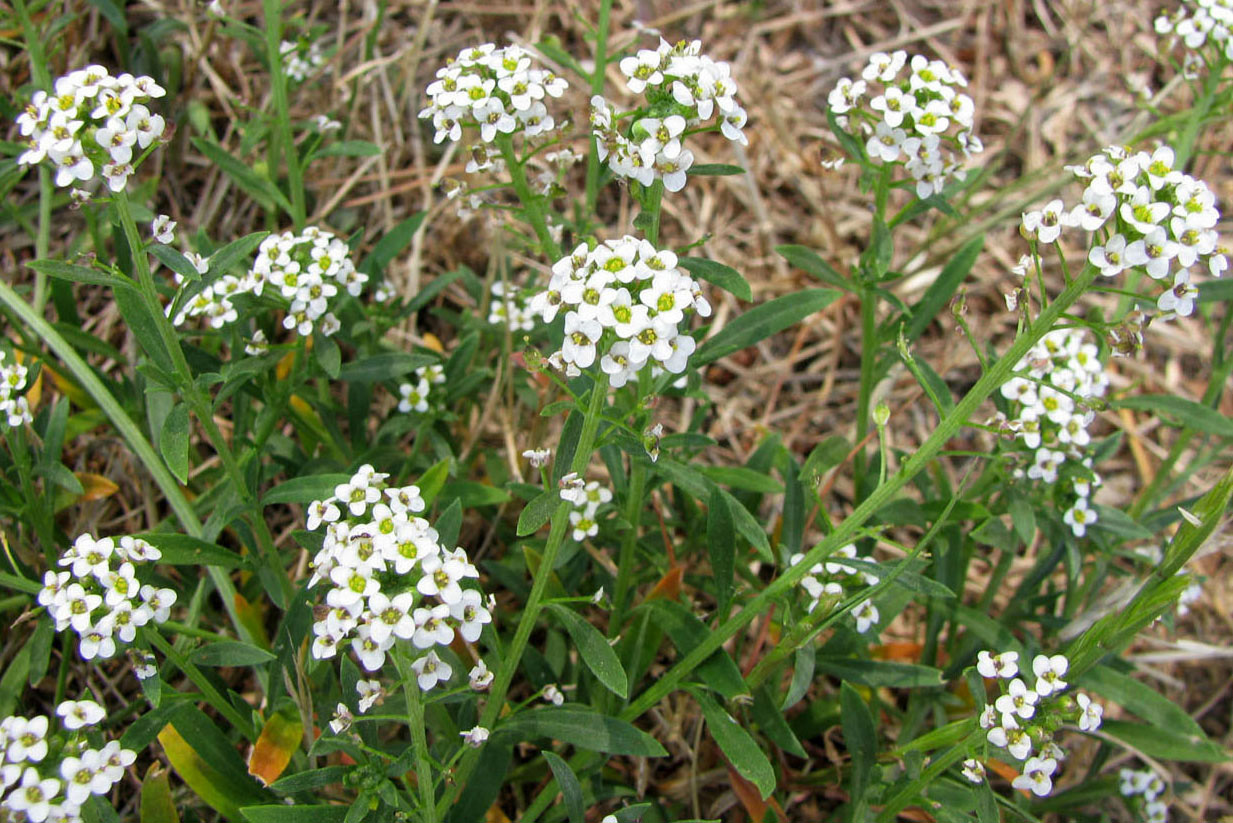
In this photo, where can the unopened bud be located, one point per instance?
(881, 414)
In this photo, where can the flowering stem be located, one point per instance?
(285, 142)
(652, 208)
(42, 78)
(535, 601)
(532, 204)
(629, 542)
(597, 87)
(419, 738)
(847, 530)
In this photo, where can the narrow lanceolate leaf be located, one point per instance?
(247, 179)
(571, 789)
(1166, 744)
(1192, 414)
(722, 546)
(762, 321)
(230, 653)
(173, 442)
(219, 789)
(941, 290)
(182, 550)
(807, 260)
(80, 274)
(738, 745)
(538, 512)
(594, 650)
(580, 727)
(156, 803)
(279, 739)
(305, 489)
(860, 738)
(717, 274)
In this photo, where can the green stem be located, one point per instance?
(19, 446)
(654, 208)
(846, 531)
(597, 87)
(629, 543)
(284, 144)
(419, 738)
(535, 600)
(42, 79)
(869, 356)
(211, 694)
(532, 203)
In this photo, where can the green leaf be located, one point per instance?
(726, 277)
(719, 671)
(761, 322)
(256, 186)
(173, 442)
(877, 673)
(144, 326)
(305, 489)
(714, 170)
(349, 148)
(175, 261)
(743, 479)
(209, 764)
(433, 480)
(384, 366)
(860, 738)
(738, 745)
(772, 723)
(295, 814)
(1142, 700)
(391, 245)
(852, 147)
(309, 780)
(803, 662)
(81, 274)
(183, 550)
(594, 650)
(329, 358)
(583, 728)
(1189, 413)
(156, 803)
(943, 288)
(722, 548)
(1216, 291)
(1117, 522)
(571, 789)
(1166, 744)
(538, 512)
(748, 527)
(808, 261)
(16, 673)
(40, 651)
(222, 260)
(230, 653)
(471, 495)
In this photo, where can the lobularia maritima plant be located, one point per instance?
(358, 661)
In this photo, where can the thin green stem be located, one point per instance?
(208, 692)
(869, 356)
(653, 208)
(42, 79)
(629, 543)
(285, 142)
(532, 203)
(419, 738)
(597, 87)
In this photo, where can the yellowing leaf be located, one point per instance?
(669, 586)
(96, 487)
(156, 803)
(205, 782)
(251, 615)
(69, 388)
(431, 342)
(278, 741)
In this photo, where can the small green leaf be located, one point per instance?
(877, 673)
(594, 650)
(580, 727)
(295, 814)
(433, 480)
(571, 789)
(1142, 700)
(230, 653)
(808, 261)
(803, 662)
(256, 186)
(471, 495)
(156, 803)
(80, 274)
(943, 288)
(738, 745)
(329, 358)
(722, 548)
(714, 170)
(1192, 414)
(1166, 744)
(719, 671)
(184, 550)
(726, 277)
(175, 261)
(309, 780)
(743, 479)
(391, 245)
(772, 723)
(384, 366)
(538, 512)
(305, 489)
(761, 322)
(229, 255)
(860, 738)
(173, 442)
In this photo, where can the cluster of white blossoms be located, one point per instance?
(1024, 720)
(587, 498)
(918, 117)
(413, 396)
(624, 302)
(1048, 392)
(1203, 27)
(498, 91)
(1147, 215)
(1147, 785)
(14, 407)
(300, 60)
(509, 310)
(308, 271)
(827, 580)
(49, 774)
(99, 596)
(390, 579)
(91, 124)
(684, 90)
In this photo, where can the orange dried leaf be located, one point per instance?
(904, 652)
(748, 794)
(253, 619)
(95, 486)
(669, 586)
(432, 342)
(278, 741)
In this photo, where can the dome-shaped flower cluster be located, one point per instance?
(624, 302)
(306, 272)
(1048, 392)
(587, 498)
(684, 90)
(1147, 215)
(300, 59)
(498, 91)
(1023, 720)
(1144, 786)
(827, 580)
(14, 407)
(1203, 27)
(390, 579)
(99, 596)
(91, 124)
(50, 773)
(918, 118)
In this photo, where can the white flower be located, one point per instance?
(163, 229)
(973, 770)
(480, 677)
(34, 796)
(430, 670)
(1049, 672)
(77, 714)
(1179, 299)
(342, 719)
(552, 694)
(1037, 776)
(1079, 517)
(1090, 713)
(1003, 665)
(537, 457)
(475, 737)
(27, 739)
(866, 615)
(1019, 700)
(370, 693)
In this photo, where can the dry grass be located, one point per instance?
(1052, 83)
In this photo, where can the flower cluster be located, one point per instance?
(827, 580)
(300, 60)
(587, 499)
(498, 91)
(308, 271)
(509, 309)
(1147, 215)
(624, 301)
(917, 119)
(91, 123)
(1145, 784)
(684, 89)
(99, 596)
(14, 407)
(1203, 26)
(1024, 720)
(1053, 381)
(414, 396)
(49, 775)
(390, 579)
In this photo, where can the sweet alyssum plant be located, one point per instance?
(369, 666)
